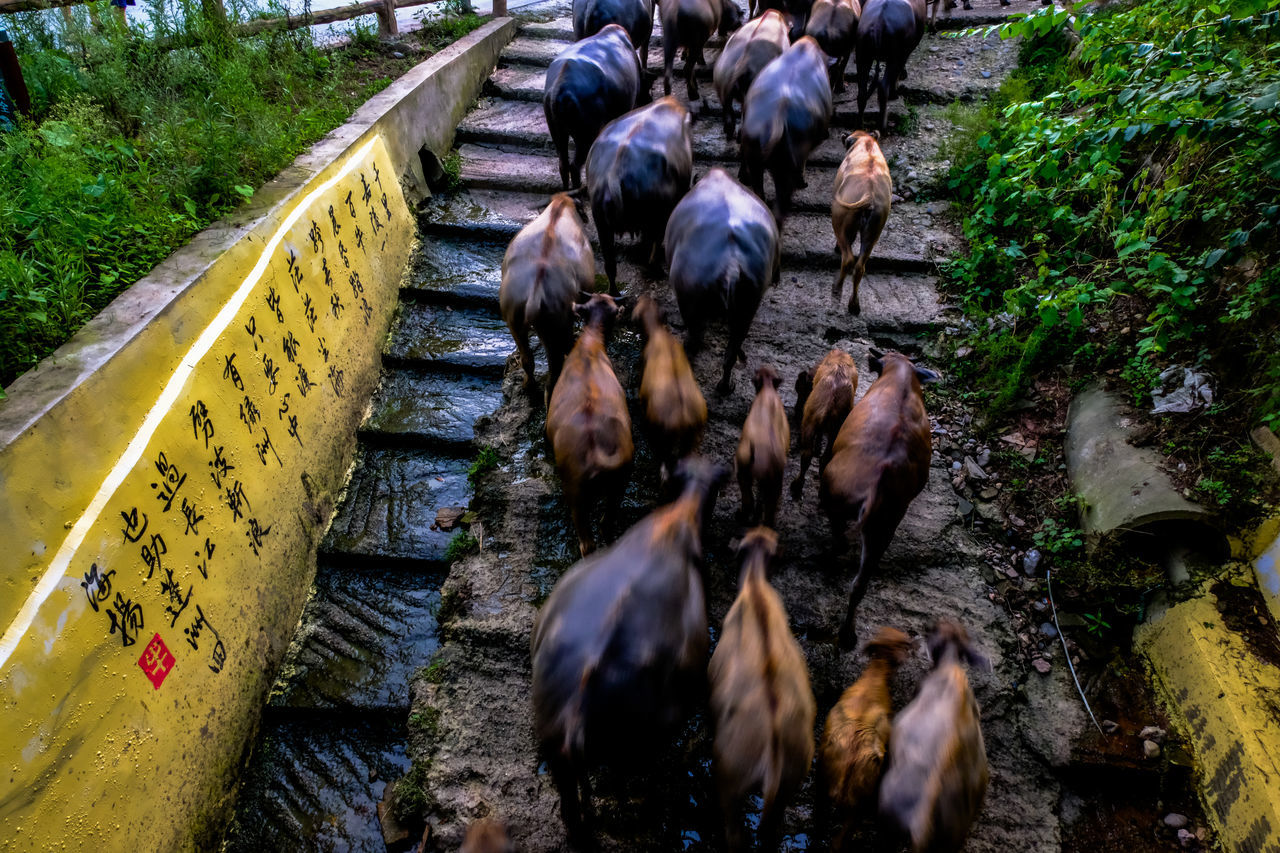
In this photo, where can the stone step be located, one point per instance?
(314, 783)
(522, 125)
(489, 168)
(941, 70)
(440, 337)
(363, 634)
(913, 239)
(428, 409)
(457, 269)
(390, 505)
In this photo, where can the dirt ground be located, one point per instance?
(1056, 784)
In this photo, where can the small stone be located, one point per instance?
(956, 466)
(447, 517)
(984, 457)
(964, 507)
(1040, 605)
(1150, 749)
(397, 54)
(933, 49)
(1154, 733)
(1012, 573)
(1110, 726)
(973, 470)
(986, 75)
(1048, 630)
(1187, 838)
(1031, 562)
(1173, 820)
(964, 352)
(988, 494)
(1042, 666)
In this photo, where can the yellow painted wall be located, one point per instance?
(155, 563)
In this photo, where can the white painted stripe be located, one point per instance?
(177, 382)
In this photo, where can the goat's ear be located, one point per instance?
(776, 380)
(804, 379)
(583, 297)
(580, 308)
(927, 376)
(758, 382)
(875, 363)
(977, 660)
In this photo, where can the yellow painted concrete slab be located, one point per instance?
(141, 626)
(1227, 701)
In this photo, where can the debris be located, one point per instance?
(1042, 666)
(1031, 562)
(1150, 749)
(1181, 389)
(1154, 733)
(1110, 726)
(1173, 820)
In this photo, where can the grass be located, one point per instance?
(486, 460)
(462, 544)
(134, 145)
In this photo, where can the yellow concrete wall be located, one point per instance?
(155, 559)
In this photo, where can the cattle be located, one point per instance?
(634, 16)
(589, 84)
(588, 426)
(722, 252)
(620, 647)
(859, 209)
(856, 736)
(750, 49)
(824, 398)
(784, 117)
(547, 264)
(762, 450)
(487, 836)
(638, 169)
(673, 403)
(834, 25)
(796, 13)
(937, 776)
(762, 705)
(880, 463)
(888, 32)
(689, 24)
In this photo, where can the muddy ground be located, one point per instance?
(1055, 783)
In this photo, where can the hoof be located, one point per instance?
(724, 387)
(848, 637)
(797, 486)
(855, 308)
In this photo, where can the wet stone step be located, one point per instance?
(489, 168)
(391, 502)
(363, 634)
(430, 409)
(912, 240)
(444, 337)
(314, 784)
(459, 269)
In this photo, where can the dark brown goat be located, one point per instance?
(546, 265)
(855, 739)
(689, 24)
(762, 450)
(761, 701)
(588, 425)
(825, 397)
(673, 403)
(620, 648)
(880, 463)
(487, 836)
(937, 776)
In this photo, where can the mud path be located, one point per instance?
(478, 752)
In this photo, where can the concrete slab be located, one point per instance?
(430, 409)
(362, 635)
(391, 503)
(456, 268)
(446, 337)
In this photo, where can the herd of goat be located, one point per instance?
(620, 648)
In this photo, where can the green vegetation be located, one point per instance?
(1121, 200)
(409, 799)
(434, 671)
(486, 460)
(138, 140)
(426, 721)
(462, 544)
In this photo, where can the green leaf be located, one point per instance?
(1048, 313)
(1212, 259)
(244, 190)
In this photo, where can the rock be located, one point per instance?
(984, 457)
(973, 470)
(1048, 630)
(1043, 666)
(964, 507)
(447, 517)
(964, 352)
(1150, 749)
(397, 54)
(933, 48)
(986, 75)
(1110, 726)
(394, 834)
(955, 466)
(1173, 820)
(1187, 838)
(1154, 733)
(1011, 573)
(988, 494)
(1040, 605)
(990, 512)
(1031, 562)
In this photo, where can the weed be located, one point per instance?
(462, 544)
(1057, 537)
(451, 166)
(486, 460)
(909, 124)
(434, 671)
(410, 800)
(426, 721)
(1094, 623)
(441, 30)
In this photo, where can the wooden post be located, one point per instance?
(499, 8)
(387, 24)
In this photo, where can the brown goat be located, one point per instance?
(762, 450)
(856, 736)
(825, 397)
(859, 209)
(761, 701)
(547, 264)
(588, 425)
(487, 836)
(937, 776)
(880, 463)
(673, 403)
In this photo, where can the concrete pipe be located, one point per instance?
(1126, 498)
